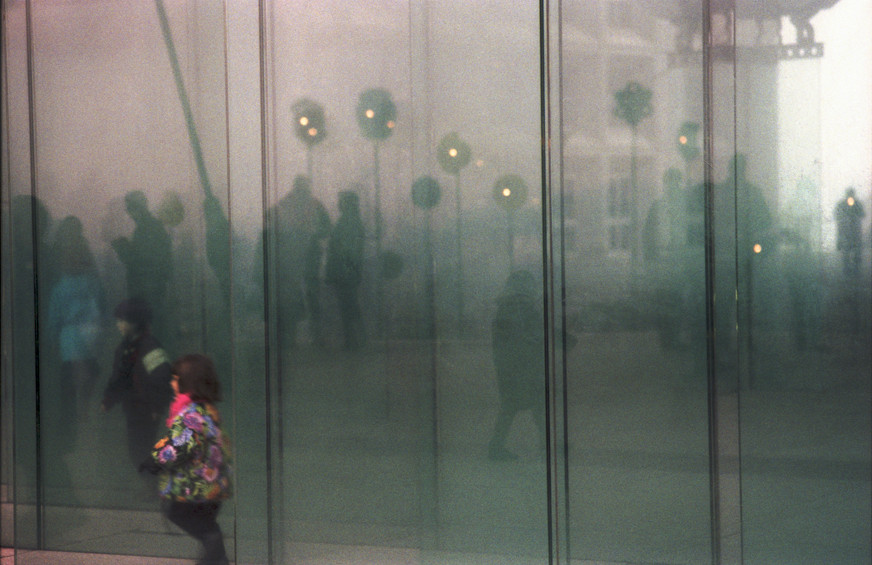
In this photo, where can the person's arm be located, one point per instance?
(175, 448)
(158, 374)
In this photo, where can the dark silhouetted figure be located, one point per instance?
(218, 236)
(803, 292)
(75, 314)
(140, 378)
(299, 224)
(518, 352)
(664, 238)
(754, 221)
(193, 458)
(344, 269)
(147, 258)
(849, 216)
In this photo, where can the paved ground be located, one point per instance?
(382, 459)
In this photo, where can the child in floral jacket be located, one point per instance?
(192, 459)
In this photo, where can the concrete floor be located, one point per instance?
(368, 476)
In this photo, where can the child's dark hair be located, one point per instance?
(197, 377)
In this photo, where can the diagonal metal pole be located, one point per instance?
(183, 98)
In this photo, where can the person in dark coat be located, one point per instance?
(519, 359)
(147, 257)
(140, 380)
(297, 226)
(344, 270)
(849, 217)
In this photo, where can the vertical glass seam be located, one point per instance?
(713, 421)
(34, 227)
(6, 196)
(736, 286)
(269, 432)
(230, 305)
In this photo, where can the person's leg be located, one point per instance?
(313, 303)
(199, 520)
(142, 429)
(497, 446)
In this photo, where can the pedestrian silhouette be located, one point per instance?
(147, 258)
(140, 378)
(664, 238)
(299, 225)
(76, 305)
(849, 216)
(518, 353)
(344, 269)
(754, 220)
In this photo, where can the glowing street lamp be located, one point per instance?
(510, 194)
(309, 126)
(376, 116)
(426, 193)
(454, 155)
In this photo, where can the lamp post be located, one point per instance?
(376, 115)
(510, 194)
(632, 105)
(687, 143)
(453, 155)
(309, 126)
(426, 193)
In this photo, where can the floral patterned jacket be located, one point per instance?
(194, 457)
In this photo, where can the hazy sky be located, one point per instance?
(846, 112)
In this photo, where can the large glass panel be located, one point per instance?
(403, 260)
(803, 196)
(442, 337)
(633, 192)
(123, 220)
(20, 522)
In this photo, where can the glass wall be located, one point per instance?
(488, 282)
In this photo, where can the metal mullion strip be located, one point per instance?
(725, 492)
(273, 370)
(34, 225)
(553, 276)
(708, 150)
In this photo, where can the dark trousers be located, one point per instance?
(350, 314)
(198, 519)
(142, 430)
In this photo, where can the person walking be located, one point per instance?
(192, 459)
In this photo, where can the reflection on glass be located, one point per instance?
(389, 327)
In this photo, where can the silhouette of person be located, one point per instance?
(803, 292)
(753, 216)
(801, 264)
(147, 258)
(518, 353)
(664, 235)
(75, 313)
(218, 236)
(32, 268)
(140, 378)
(849, 216)
(344, 269)
(753, 234)
(300, 223)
